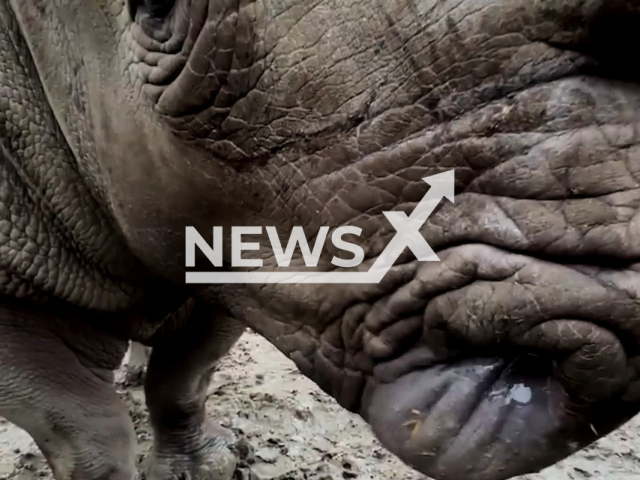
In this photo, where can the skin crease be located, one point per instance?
(124, 122)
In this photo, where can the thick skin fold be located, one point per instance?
(516, 364)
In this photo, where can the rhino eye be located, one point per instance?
(159, 8)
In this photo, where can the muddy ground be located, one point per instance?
(290, 430)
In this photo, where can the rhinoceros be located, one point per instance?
(125, 122)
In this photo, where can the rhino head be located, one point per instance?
(521, 345)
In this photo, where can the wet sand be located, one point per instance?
(290, 430)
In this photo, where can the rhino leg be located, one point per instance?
(56, 382)
(186, 445)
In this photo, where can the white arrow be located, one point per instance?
(442, 185)
(408, 228)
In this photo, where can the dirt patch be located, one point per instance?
(290, 430)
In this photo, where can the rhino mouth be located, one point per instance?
(501, 382)
(484, 418)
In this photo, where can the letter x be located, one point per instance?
(409, 235)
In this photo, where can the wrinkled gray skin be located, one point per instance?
(121, 123)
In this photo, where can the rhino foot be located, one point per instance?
(186, 444)
(214, 460)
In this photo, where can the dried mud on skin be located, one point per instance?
(290, 430)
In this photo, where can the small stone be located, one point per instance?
(243, 449)
(268, 455)
(303, 414)
(582, 472)
(379, 454)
